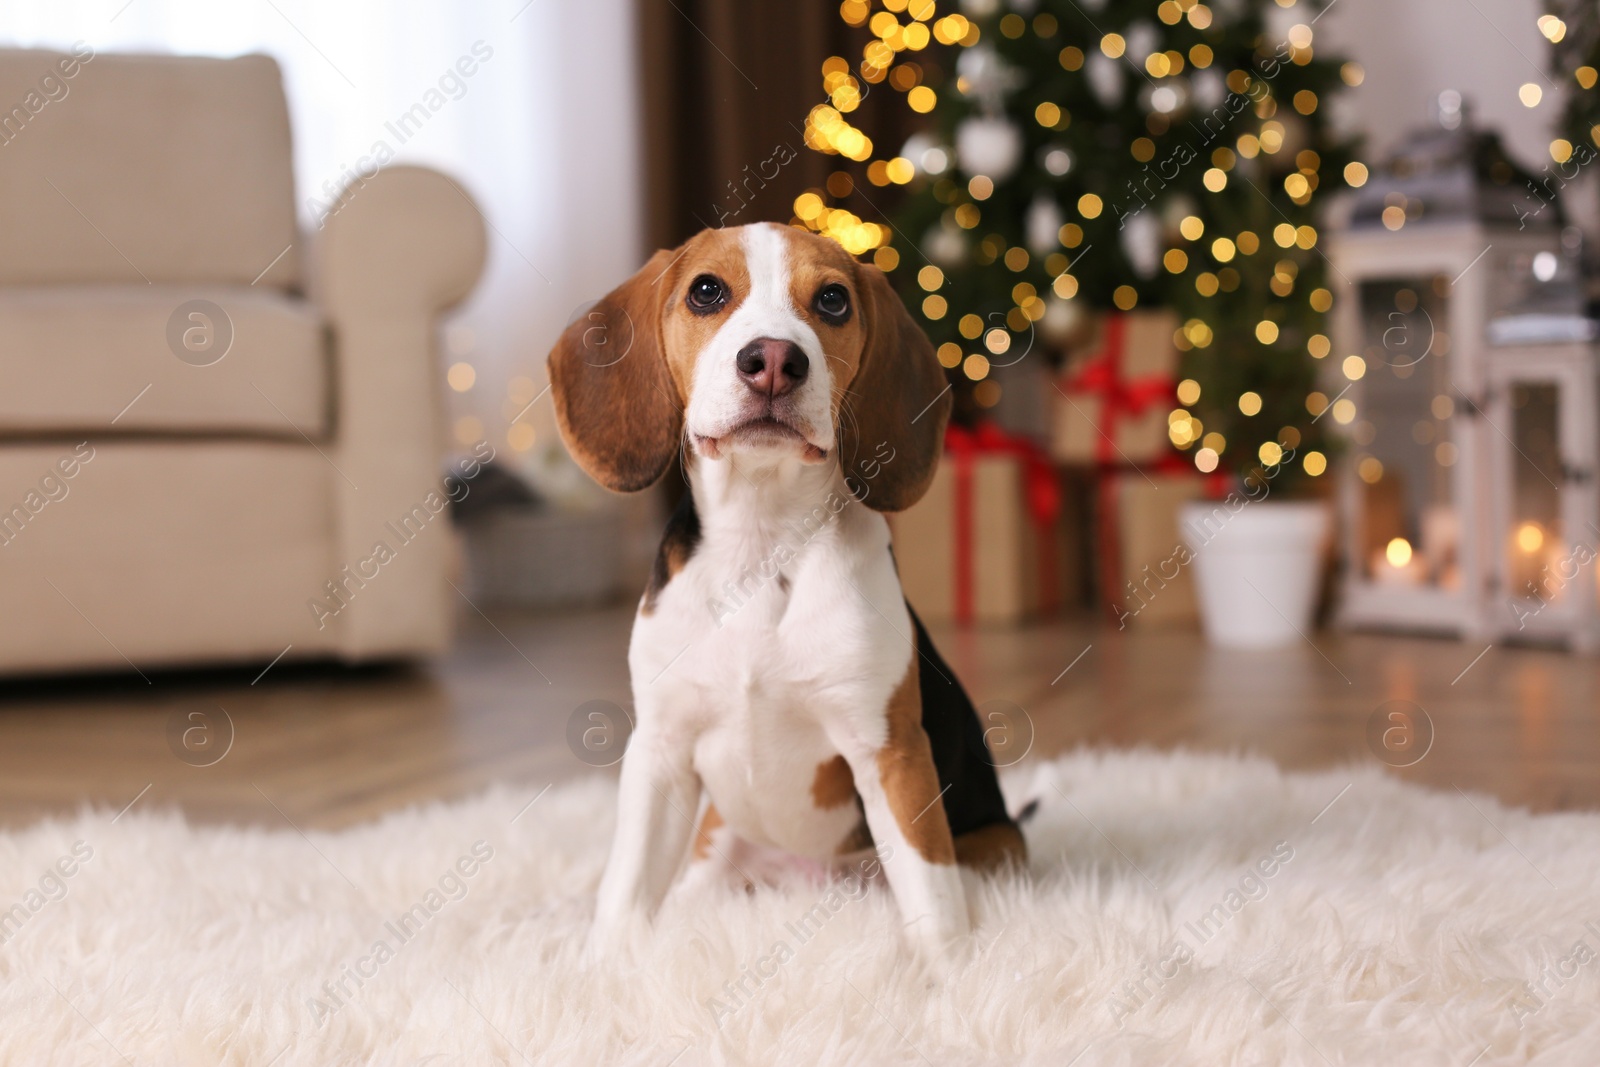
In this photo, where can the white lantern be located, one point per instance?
(1464, 379)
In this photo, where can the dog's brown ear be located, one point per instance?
(898, 403)
(616, 405)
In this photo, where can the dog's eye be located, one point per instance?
(706, 294)
(833, 303)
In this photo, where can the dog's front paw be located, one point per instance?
(940, 938)
(612, 933)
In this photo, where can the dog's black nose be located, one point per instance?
(771, 367)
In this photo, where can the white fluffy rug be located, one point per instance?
(1396, 926)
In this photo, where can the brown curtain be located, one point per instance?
(727, 85)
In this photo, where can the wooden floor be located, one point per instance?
(327, 747)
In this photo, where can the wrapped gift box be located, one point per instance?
(1113, 401)
(987, 543)
(1146, 567)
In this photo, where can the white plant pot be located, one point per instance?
(1256, 567)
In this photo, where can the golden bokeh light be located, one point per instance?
(1530, 537)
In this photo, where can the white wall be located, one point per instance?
(1485, 49)
(544, 135)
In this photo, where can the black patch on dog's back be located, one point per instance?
(678, 542)
(972, 798)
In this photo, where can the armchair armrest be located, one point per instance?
(408, 239)
(407, 245)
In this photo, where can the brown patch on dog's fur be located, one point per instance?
(616, 405)
(910, 782)
(992, 847)
(834, 786)
(710, 821)
(816, 262)
(901, 402)
(685, 334)
(678, 543)
(621, 373)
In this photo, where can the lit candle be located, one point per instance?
(1528, 542)
(1396, 564)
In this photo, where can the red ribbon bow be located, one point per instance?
(1119, 396)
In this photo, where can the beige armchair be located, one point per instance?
(219, 440)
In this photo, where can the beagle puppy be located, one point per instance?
(787, 700)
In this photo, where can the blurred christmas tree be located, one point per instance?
(1097, 155)
(1573, 30)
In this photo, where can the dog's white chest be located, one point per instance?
(760, 733)
(760, 762)
(766, 663)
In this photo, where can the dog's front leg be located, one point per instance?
(899, 791)
(656, 807)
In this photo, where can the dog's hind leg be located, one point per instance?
(991, 848)
(711, 862)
